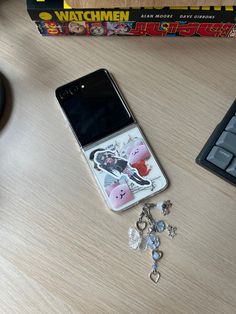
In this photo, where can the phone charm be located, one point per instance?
(144, 235)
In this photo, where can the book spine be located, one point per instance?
(130, 28)
(166, 21)
(169, 14)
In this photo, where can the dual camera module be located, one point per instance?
(71, 91)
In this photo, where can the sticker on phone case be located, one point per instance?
(126, 169)
(117, 166)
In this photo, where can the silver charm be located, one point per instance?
(155, 276)
(141, 225)
(164, 207)
(171, 231)
(144, 235)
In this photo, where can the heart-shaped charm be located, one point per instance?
(155, 276)
(156, 255)
(141, 225)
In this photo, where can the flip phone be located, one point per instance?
(111, 140)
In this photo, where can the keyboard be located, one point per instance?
(219, 153)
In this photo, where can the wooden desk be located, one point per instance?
(61, 250)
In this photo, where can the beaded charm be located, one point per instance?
(144, 235)
(135, 238)
(164, 207)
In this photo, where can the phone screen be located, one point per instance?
(94, 107)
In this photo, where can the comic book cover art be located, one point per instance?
(182, 28)
(126, 169)
(50, 28)
(119, 28)
(97, 28)
(75, 28)
(165, 28)
(59, 29)
(72, 28)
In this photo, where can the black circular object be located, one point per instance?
(73, 90)
(64, 94)
(2, 96)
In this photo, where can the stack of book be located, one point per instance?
(134, 17)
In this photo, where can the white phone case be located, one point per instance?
(125, 168)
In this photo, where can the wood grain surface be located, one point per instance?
(137, 3)
(61, 249)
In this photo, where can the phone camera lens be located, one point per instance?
(64, 94)
(73, 90)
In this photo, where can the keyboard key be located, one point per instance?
(231, 127)
(232, 168)
(219, 157)
(227, 140)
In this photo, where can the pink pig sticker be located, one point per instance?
(131, 145)
(109, 188)
(120, 195)
(139, 153)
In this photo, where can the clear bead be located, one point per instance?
(160, 226)
(154, 267)
(135, 238)
(153, 241)
(143, 245)
(159, 205)
(156, 255)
